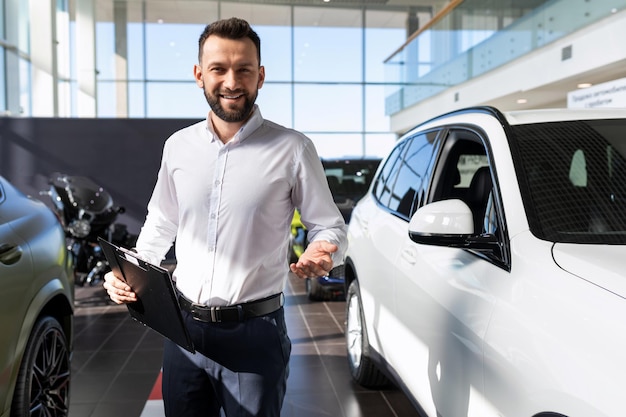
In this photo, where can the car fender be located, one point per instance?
(53, 298)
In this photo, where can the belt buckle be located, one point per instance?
(216, 317)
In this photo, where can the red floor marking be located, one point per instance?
(156, 394)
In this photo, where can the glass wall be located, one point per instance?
(324, 66)
(324, 62)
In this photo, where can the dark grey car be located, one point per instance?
(36, 308)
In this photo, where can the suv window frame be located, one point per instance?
(397, 163)
(450, 138)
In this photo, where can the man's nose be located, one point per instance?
(230, 79)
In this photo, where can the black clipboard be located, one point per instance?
(157, 304)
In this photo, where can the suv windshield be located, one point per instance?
(573, 179)
(349, 180)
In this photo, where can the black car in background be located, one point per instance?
(348, 179)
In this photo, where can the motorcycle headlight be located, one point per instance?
(79, 228)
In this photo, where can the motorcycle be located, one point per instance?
(87, 212)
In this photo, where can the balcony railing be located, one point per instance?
(472, 37)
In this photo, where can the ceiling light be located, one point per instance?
(160, 21)
(584, 85)
(522, 101)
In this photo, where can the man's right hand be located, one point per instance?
(118, 290)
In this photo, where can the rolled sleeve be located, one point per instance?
(318, 211)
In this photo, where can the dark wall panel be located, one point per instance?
(121, 155)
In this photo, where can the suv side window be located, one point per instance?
(384, 181)
(463, 173)
(412, 172)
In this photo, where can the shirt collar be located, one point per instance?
(253, 123)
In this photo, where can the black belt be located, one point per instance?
(234, 313)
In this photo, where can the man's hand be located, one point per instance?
(118, 290)
(316, 260)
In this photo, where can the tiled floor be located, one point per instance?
(117, 361)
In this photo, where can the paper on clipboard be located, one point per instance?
(157, 304)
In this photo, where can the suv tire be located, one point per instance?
(362, 367)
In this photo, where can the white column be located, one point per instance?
(86, 58)
(43, 57)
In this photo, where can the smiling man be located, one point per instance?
(225, 193)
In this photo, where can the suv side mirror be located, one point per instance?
(449, 223)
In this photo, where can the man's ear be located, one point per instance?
(261, 76)
(197, 75)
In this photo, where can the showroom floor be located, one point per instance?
(116, 363)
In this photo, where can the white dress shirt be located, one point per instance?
(229, 207)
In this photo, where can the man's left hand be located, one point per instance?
(316, 260)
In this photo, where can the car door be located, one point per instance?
(368, 236)
(388, 229)
(15, 277)
(442, 293)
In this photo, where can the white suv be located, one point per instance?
(486, 270)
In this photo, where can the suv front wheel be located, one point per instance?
(362, 367)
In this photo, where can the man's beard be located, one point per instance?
(231, 114)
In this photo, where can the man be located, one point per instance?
(225, 193)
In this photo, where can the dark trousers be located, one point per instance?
(239, 368)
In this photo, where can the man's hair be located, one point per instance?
(233, 28)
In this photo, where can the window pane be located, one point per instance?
(273, 25)
(334, 145)
(328, 108)
(384, 182)
(375, 118)
(136, 100)
(275, 103)
(191, 105)
(136, 53)
(379, 144)
(25, 88)
(171, 51)
(275, 52)
(327, 46)
(106, 98)
(384, 32)
(105, 52)
(412, 173)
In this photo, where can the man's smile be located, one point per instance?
(231, 96)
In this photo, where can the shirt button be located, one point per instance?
(213, 216)
(217, 182)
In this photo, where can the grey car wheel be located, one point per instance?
(43, 382)
(361, 366)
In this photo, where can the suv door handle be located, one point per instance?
(408, 254)
(10, 254)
